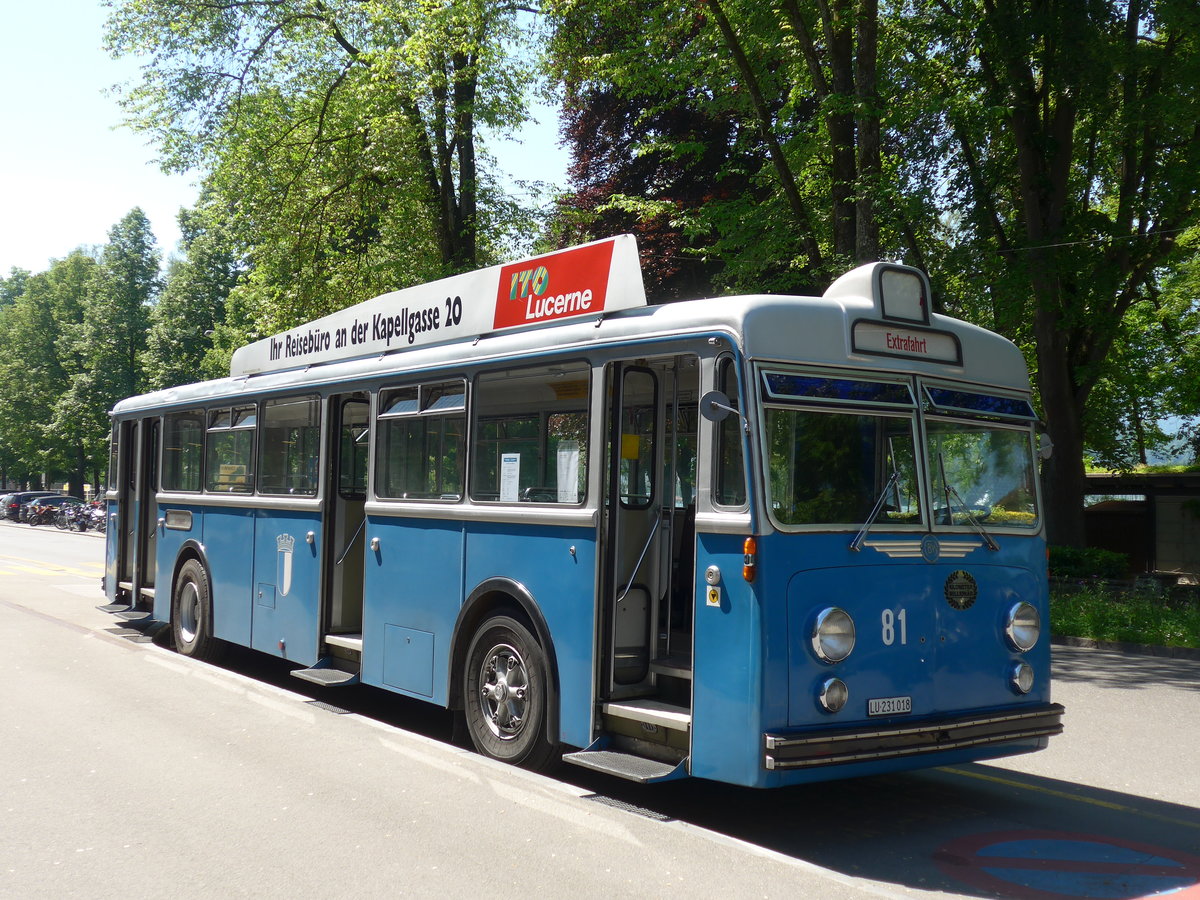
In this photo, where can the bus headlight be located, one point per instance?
(1024, 627)
(834, 694)
(833, 635)
(1022, 678)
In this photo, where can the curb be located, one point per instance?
(1190, 653)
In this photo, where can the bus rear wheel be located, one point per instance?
(191, 614)
(505, 694)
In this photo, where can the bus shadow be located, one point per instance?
(944, 829)
(972, 830)
(1126, 671)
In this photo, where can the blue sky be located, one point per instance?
(68, 173)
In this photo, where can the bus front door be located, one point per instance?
(345, 518)
(138, 554)
(633, 528)
(649, 534)
(650, 531)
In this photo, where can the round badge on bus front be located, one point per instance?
(961, 590)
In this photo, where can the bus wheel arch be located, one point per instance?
(493, 601)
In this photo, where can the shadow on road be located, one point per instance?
(973, 830)
(1110, 669)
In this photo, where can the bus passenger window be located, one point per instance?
(530, 437)
(422, 431)
(289, 446)
(183, 451)
(230, 461)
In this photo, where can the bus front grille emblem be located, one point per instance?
(284, 544)
(931, 548)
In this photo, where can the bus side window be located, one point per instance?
(529, 444)
(183, 451)
(289, 446)
(229, 467)
(421, 437)
(729, 471)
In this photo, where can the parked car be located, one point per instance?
(14, 501)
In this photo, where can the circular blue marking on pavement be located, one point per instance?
(1041, 865)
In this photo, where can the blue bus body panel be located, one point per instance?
(727, 669)
(170, 542)
(413, 590)
(287, 585)
(415, 587)
(227, 534)
(948, 660)
(563, 585)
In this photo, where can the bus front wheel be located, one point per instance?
(505, 694)
(191, 613)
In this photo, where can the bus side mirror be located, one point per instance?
(1045, 446)
(715, 407)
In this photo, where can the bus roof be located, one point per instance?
(874, 317)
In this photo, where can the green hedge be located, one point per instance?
(1087, 562)
(1098, 613)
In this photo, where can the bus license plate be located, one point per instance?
(889, 706)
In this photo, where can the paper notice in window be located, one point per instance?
(510, 477)
(568, 471)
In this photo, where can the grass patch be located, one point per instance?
(1136, 617)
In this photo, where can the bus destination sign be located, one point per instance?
(906, 342)
(587, 280)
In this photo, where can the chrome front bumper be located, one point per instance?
(830, 748)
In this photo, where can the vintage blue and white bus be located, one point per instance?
(762, 539)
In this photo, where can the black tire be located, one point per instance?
(506, 695)
(191, 614)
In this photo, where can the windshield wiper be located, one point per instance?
(951, 492)
(856, 544)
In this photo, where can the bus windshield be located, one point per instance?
(981, 470)
(829, 468)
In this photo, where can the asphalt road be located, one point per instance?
(126, 770)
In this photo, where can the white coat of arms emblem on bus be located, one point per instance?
(284, 544)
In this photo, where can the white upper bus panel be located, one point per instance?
(582, 281)
(853, 326)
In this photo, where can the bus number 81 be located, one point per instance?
(890, 620)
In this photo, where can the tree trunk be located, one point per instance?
(866, 238)
(839, 33)
(1063, 482)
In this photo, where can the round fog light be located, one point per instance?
(833, 635)
(1022, 678)
(834, 694)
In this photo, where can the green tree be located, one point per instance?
(1075, 155)
(39, 329)
(193, 301)
(13, 286)
(814, 115)
(341, 135)
(1040, 158)
(111, 340)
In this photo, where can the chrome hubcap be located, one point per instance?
(504, 691)
(189, 612)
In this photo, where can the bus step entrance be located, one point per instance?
(627, 765)
(329, 672)
(644, 740)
